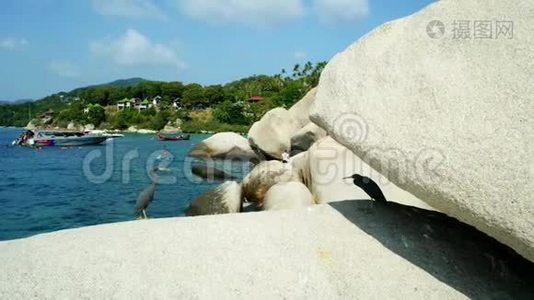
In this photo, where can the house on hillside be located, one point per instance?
(177, 103)
(121, 104)
(145, 104)
(128, 103)
(156, 101)
(133, 103)
(255, 99)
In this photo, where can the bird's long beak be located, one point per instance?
(347, 177)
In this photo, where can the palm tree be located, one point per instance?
(307, 68)
(296, 70)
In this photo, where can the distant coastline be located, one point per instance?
(154, 105)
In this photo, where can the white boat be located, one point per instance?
(58, 138)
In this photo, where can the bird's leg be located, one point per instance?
(144, 214)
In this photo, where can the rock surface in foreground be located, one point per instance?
(313, 253)
(454, 115)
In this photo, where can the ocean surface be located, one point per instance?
(53, 188)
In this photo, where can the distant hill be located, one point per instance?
(117, 83)
(20, 101)
(126, 82)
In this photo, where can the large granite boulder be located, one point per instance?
(224, 199)
(287, 195)
(300, 111)
(263, 176)
(305, 137)
(224, 145)
(452, 110)
(271, 135)
(209, 172)
(325, 165)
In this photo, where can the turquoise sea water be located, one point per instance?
(48, 190)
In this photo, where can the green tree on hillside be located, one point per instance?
(96, 114)
(172, 90)
(231, 113)
(193, 96)
(229, 101)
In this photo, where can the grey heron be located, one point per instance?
(146, 196)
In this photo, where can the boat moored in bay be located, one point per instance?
(179, 137)
(40, 138)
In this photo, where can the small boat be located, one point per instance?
(58, 138)
(179, 137)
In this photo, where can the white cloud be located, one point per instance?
(135, 49)
(254, 12)
(300, 55)
(12, 43)
(64, 69)
(333, 11)
(128, 8)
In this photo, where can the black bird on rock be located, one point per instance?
(369, 186)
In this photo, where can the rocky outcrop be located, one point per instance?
(72, 126)
(89, 127)
(300, 111)
(132, 129)
(224, 199)
(173, 127)
(31, 126)
(263, 176)
(47, 117)
(305, 137)
(287, 195)
(271, 136)
(146, 131)
(275, 132)
(325, 165)
(210, 173)
(457, 127)
(224, 145)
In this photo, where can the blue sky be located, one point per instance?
(47, 46)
